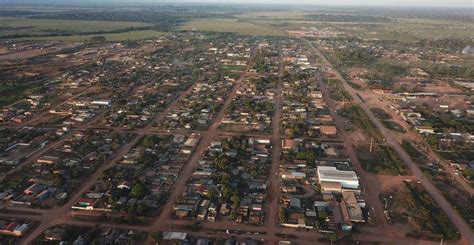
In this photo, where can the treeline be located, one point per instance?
(56, 32)
(17, 13)
(355, 55)
(447, 43)
(165, 21)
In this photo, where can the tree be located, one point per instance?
(282, 215)
(158, 236)
(221, 162)
(98, 39)
(137, 190)
(332, 237)
(432, 140)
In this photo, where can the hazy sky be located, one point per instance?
(417, 3)
(426, 3)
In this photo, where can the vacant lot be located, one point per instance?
(414, 153)
(231, 26)
(411, 205)
(358, 117)
(380, 113)
(382, 160)
(458, 197)
(393, 126)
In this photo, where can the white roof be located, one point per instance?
(174, 235)
(298, 174)
(329, 172)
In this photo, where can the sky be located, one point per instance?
(417, 3)
(413, 3)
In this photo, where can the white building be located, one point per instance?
(102, 102)
(347, 179)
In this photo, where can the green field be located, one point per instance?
(123, 36)
(231, 26)
(43, 27)
(401, 29)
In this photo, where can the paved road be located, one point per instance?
(456, 219)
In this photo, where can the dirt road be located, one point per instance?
(456, 219)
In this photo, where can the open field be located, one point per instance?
(359, 118)
(272, 15)
(405, 30)
(460, 199)
(412, 206)
(382, 160)
(414, 153)
(123, 36)
(231, 26)
(18, 27)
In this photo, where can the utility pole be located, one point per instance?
(371, 144)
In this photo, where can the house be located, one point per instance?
(293, 175)
(329, 131)
(48, 160)
(13, 228)
(224, 210)
(330, 187)
(289, 144)
(85, 203)
(124, 185)
(56, 234)
(174, 237)
(331, 152)
(101, 102)
(425, 129)
(34, 189)
(346, 224)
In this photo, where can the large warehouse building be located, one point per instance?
(347, 179)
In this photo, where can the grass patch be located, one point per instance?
(415, 207)
(337, 91)
(357, 116)
(355, 85)
(232, 68)
(456, 196)
(416, 155)
(393, 126)
(382, 160)
(230, 26)
(380, 113)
